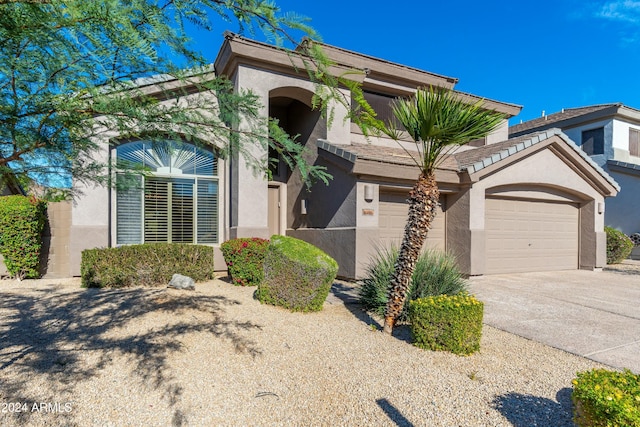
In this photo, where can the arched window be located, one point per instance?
(176, 200)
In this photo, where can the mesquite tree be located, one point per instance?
(71, 70)
(438, 121)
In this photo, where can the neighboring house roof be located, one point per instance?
(624, 167)
(469, 161)
(571, 117)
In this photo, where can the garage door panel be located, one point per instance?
(530, 236)
(392, 218)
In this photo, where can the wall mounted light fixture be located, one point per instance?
(600, 208)
(368, 193)
(303, 206)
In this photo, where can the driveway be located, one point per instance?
(594, 314)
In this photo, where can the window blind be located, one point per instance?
(129, 214)
(207, 222)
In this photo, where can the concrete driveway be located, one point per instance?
(594, 314)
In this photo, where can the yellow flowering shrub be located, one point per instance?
(447, 322)
(606, 398)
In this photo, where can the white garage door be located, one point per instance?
(392, 218)
(530, 236)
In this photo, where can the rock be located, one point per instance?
(179, 281)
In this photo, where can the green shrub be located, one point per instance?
(145, 265)
(245, 259)
(619, 245)
(297, 275)
(22, 220)
(606, 398)
(447, 322)
(436, 273)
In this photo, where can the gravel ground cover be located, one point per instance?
(217, 357)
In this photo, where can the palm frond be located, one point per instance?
(439, 121)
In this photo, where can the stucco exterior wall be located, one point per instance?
(623, 211)
(248, 196)
(90, 213)
(352, 246)
(500, 133)
(576, 136)
(621, 142)
(55, 258)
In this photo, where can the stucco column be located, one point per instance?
(90, 214)
(466, 237)
(367, 225)
(593, 243)
(249, 187)
(339, 130)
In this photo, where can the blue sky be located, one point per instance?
(543, 55)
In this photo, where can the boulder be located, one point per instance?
(178, 281)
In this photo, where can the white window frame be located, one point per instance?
(219, 177)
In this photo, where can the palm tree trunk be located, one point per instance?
(423, 201)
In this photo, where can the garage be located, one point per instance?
(527, 235)
(392, 218)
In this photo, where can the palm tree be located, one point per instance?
(438, 121)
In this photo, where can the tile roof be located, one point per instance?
(472, 160)
(481, 157)
(629, 168)
(552, 120)
(393, 155)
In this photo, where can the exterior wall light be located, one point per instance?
(600, 208)
(368, 193)
(303, 206)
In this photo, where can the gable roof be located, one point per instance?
(570, 117)
(474, 161)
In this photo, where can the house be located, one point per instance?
(610, 135)
(507, 205)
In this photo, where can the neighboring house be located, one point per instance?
(523, 204)
(610, 134)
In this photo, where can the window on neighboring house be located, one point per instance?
(634, 142)
(593, 141)
(176, 201)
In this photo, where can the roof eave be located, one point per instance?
(237, 50)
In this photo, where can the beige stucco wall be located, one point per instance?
(249, 193)
(56, 249)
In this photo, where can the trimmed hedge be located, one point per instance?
(436, 273)
(447, 322)
(606, 398)
(619, 245)
(145, 265)
(22, 220)
(297, 275)
(245, 259)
